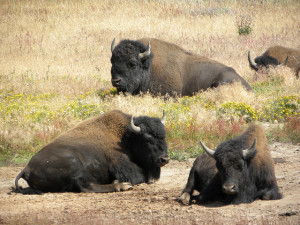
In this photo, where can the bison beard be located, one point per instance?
(106, 153)
(164, 68)
(237, 171)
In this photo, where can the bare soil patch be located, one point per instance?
(155, 203)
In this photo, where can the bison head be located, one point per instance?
(232, 163)
(146, 139)
(265, 61)
(131, 62)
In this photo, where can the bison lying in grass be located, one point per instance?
(277, 55)
(163, 68)
(105, 153)
(237, 171)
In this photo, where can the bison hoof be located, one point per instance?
(151, 181)
(185, 198)
(124, 186)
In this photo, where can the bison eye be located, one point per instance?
(218, 165)
(132, 64)
(239, 166)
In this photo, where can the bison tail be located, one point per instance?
(20, 175)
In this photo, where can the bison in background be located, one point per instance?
(105, 153)
(163, 68)
(275, 56)
(237, 171)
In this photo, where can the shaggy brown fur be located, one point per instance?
(170, 59)
(111, 125)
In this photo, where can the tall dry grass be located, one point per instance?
(55, 61)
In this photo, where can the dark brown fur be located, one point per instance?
(256, 180)
(101, 154)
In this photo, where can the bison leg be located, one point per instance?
(211, 191)
(189, 188)
(102, 188)
(153, 175)
(269, 194)
(185, 198)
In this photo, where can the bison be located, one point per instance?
(105, 153)
(163, 68)
(237, 171)
(277, 55)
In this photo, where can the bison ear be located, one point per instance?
(163, 120)
(210, 152)
(146, 54)
(250, 152)
(135, 129)
(112, 47)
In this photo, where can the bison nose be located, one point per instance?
(116, 81)
(164, 160)
(229, 189)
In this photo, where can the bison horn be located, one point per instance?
(210, 152)
(285, 61)
(251, 63)
(250, 151)
(112, 47)
(136, 129)
(147, 53)
(163, 120)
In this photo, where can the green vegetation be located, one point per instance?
(281, 108)
(239, 110)
(244, 24)
(40, 116)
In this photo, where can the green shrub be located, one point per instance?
(280, 109)
(243, 23)
(244, 30)
(239, 110)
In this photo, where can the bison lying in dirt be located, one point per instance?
(165, 68)
(105, 153)
(237, 171)
(277, 55)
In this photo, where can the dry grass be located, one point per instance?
(62, 49)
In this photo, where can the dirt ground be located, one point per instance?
(155, 203)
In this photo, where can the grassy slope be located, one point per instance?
(55, 69)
